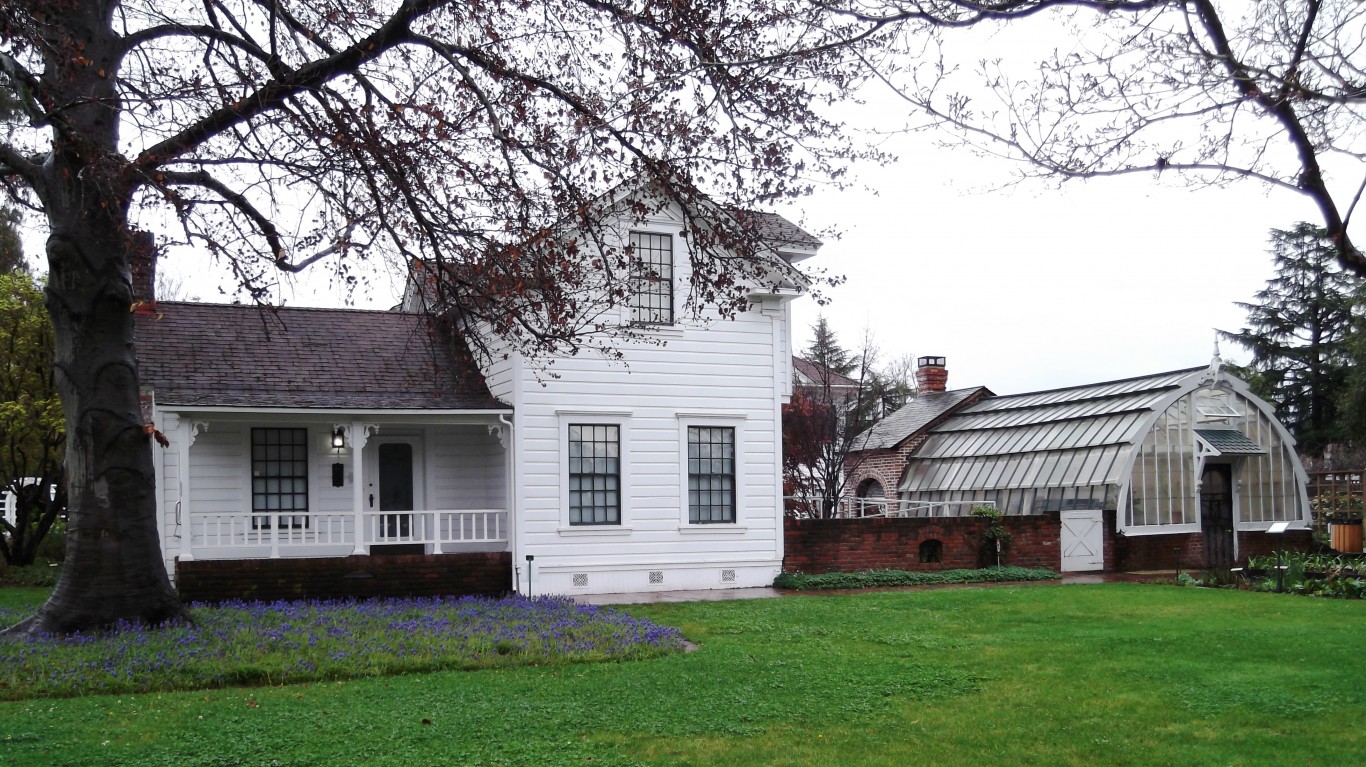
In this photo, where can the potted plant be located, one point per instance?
(1343, 513)
(995, 537)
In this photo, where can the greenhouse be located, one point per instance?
(1189, 451)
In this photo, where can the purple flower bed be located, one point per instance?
(244, 643)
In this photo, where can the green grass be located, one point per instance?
(1055, 675)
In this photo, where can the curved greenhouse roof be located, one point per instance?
(1073, 437)
(1140, 446)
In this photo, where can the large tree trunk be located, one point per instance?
(113, 570)
(113, 567)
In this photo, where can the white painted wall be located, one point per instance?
(708, 372)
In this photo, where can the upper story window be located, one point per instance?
(652, 278)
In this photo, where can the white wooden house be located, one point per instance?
(345, 435)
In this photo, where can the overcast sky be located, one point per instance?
(1033, 287)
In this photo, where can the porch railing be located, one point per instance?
(282, 532)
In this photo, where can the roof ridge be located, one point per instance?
(283, 308)
(1105, 383)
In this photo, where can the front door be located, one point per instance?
(396, 489)
(1216, 515)
(1083, 541)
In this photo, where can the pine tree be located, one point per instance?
(1298, 331)
(825, 350)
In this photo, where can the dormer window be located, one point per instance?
(652, 278)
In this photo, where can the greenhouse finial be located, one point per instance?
(1215, 362)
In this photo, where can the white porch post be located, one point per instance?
(358, 434)
(189, 430)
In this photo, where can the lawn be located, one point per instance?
(1012, 675)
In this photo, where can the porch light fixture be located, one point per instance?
(338, 438)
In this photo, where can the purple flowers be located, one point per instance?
(284, 642)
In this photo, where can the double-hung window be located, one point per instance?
(594, 474)
(652, 278)
(711, 474)
(279, 478)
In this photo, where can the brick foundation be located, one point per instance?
(1156, 552)
(215, 580)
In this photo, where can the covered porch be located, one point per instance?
(254, 485)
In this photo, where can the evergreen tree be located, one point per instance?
(825, 350)
(1298, 331)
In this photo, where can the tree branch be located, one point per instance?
(275, 93)
(15, 164)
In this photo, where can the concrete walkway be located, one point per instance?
(700, 595)
(721, 595)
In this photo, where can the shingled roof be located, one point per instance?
(915, 416)
(247, 356)
(778, 230)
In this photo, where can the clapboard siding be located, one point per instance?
(734, 370)
(468, 469)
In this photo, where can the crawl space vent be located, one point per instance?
(656, 576)
(727, 576)
(580, 580)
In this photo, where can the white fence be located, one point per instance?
(860, 508)
(283, 532)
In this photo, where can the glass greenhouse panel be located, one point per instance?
(1162, 485)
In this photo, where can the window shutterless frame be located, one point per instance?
(279, 478)
(652, 278)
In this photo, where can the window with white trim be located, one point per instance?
(711, 474)
(652, 278)
(594, 474)
(279, 478)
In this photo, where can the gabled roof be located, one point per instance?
(814, 374)
(914, 417)
(246, 356)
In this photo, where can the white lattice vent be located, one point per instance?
(580, 580)
(656, 576)
(727, 576)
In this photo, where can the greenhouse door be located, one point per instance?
(1083, 541)
(1216, 514)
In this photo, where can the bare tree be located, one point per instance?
(1213, 90)
(273, 134)
(827, 413)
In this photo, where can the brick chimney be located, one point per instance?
(930, 375)
(142, 265)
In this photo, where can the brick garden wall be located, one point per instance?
(850, 545)
(213, 580)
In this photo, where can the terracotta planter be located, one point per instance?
(1345, 538)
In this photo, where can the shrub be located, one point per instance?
(877, 578)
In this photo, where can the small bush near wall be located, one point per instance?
(881, 578)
